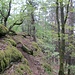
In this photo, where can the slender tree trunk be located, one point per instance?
(5, 22)
(61, 71)
(57, 18)
(32, 21)
(8, 14)
(23, 30)
(61, 46)
(28, 30)
(34, 30)
(69, 63)
(70, 34)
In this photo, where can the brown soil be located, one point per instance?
(34, 62)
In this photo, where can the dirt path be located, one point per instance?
(34, 64)
(55, 68)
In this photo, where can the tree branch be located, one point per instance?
(67, 12)
(9, 9)
(2, 13)
(15, 23)
(57, 12)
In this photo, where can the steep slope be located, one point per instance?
(31, 62)
(35, 59)
(12, 62)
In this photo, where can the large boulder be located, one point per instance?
(3, 30)
(8, 55)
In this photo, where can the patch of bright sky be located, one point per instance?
(16, 6)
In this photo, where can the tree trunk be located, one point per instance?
(5, 22)
(62, 21)
(28, 30)
(70, 38)
(69, 63)
(61, 70)
(33, 21)
(34, 31)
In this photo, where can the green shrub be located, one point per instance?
(3, 30)
(72, 68)
(47, 68)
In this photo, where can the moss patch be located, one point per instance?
(47, 68)
(3, 30)
(27, 50)
(11, 41)
(9, 55)
(36, 49)
(22, 69)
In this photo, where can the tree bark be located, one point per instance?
(8, 14)
(61, 46)
(32, 21)
(70, 37)
(61, 71)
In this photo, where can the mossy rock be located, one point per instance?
(20, 69)
(3, 30)
(27, 50)
(23, 68)
(25, 61)
(36, 49)
(8, 56)
(13, 43)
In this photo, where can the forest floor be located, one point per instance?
(55, 69)
(35, 62)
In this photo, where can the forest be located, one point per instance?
(37, 37)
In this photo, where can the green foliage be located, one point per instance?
(45, 36)
(3, 30)
(47, 68)
(72, 68)
(17, 28)
(4, 6)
